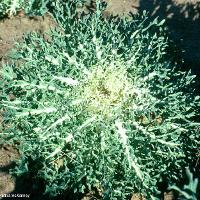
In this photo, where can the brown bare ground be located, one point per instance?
(13, 29)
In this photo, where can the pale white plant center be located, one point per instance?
(106, 88)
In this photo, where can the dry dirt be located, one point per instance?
(13, 29)
(8, 154)
(183, 22)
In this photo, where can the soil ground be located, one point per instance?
(183, 22)
(13, 29)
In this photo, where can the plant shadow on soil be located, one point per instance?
(183, 22)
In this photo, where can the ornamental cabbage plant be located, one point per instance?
(97, 105)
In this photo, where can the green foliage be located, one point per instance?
(97, 106)
(11, 7)
(32, 7)
(189, 191)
